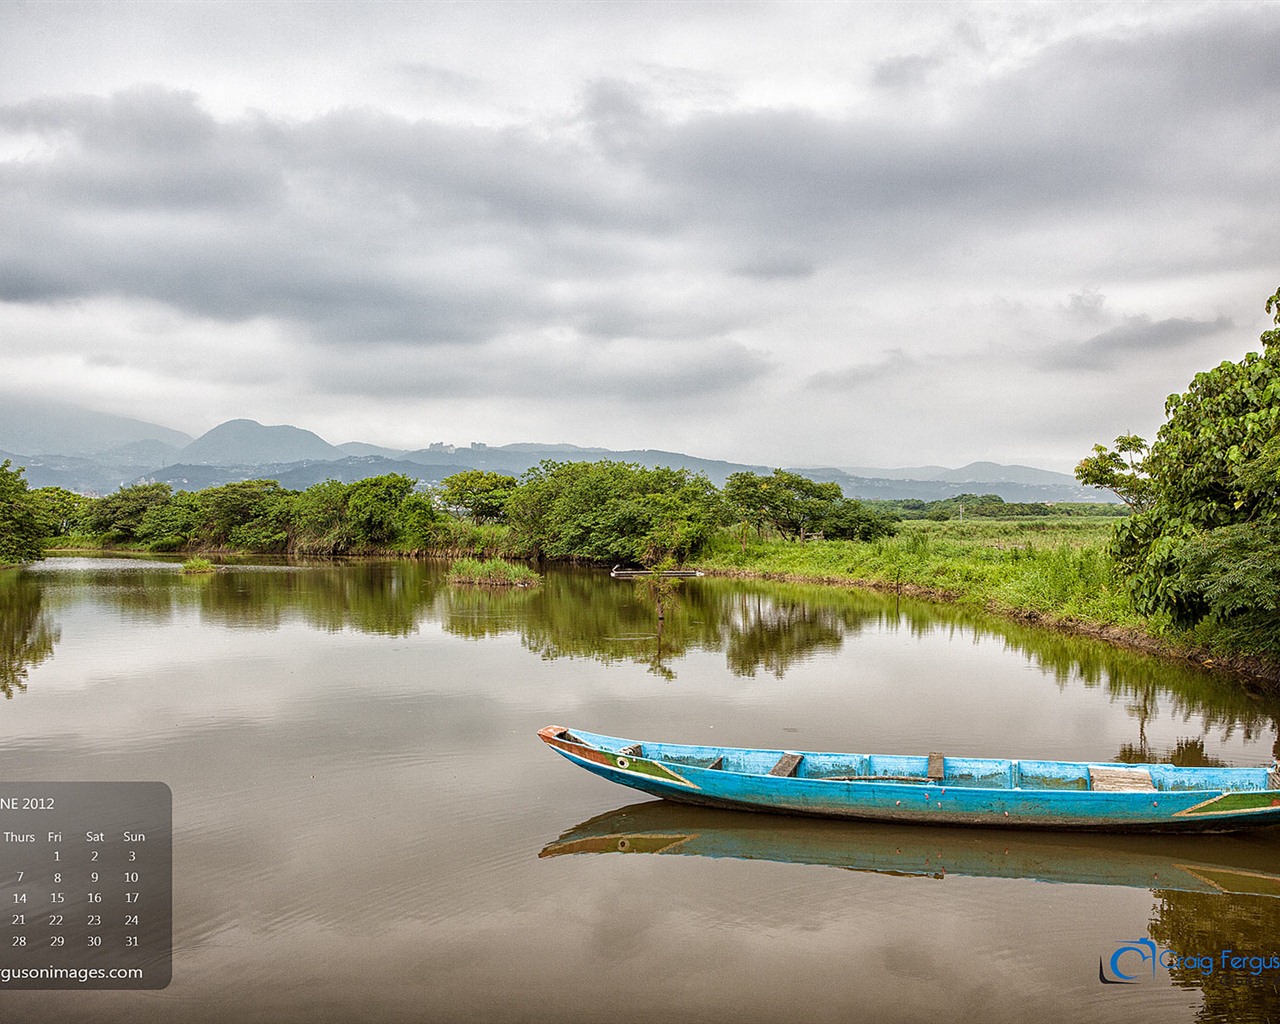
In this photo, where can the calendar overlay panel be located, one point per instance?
(86, 885)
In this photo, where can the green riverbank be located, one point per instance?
(1055, 573)
(1058, 567)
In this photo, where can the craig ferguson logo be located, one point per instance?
(1149, 957)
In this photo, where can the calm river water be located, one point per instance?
(367, 829)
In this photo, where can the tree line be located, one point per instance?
(992, 506)
(590, 511)
(1202, 548)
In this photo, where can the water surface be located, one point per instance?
(360, 803)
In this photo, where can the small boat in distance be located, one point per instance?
(619, 572)
(935, 789)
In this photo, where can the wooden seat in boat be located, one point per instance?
(787, 765)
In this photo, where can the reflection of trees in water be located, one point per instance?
(370, 597)
(589, 615)
(1188, 752)
(760, 626)
(27, 634)
(478, 612)
(578, 614)
(1196, 924)
(388, 598)
(1149, 687)
(761, 633)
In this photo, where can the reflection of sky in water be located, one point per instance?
(359, 797)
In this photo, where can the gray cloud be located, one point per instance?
(301, 218)
(419, 74)
(1137, 337)
(771, 265)
(647, 229)
(145, 149)
(1094, 127)
(904, 72)
(893, 365)
(669, 375)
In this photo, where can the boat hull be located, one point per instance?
(674, 776)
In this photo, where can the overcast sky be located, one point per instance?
(799, 234)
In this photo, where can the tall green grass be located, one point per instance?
(1057, 567)
(492, 572)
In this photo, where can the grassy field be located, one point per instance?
(1052, 567)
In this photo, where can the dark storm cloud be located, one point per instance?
(1138, 337)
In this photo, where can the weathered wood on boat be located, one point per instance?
(932, 789)
(786, 766)
(1119, 780)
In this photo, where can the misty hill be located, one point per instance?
(1055, 487)
(990, 471)
(975, 472)
(516, 458)
(84, 475)
(60, 428)
(884, 473)
(95, 453)
(296, 476)
(428, 467)
(140, 453)
(240, 442)
(359, 448)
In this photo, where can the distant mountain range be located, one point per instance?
(95, 453)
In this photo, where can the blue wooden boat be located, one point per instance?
(935, 789)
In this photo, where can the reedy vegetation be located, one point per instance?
(1051, 567)
(492, 572)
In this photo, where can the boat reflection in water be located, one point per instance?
(1243, 865)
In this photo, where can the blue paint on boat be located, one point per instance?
(970, 791)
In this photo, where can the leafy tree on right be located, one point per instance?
(1203, 546)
